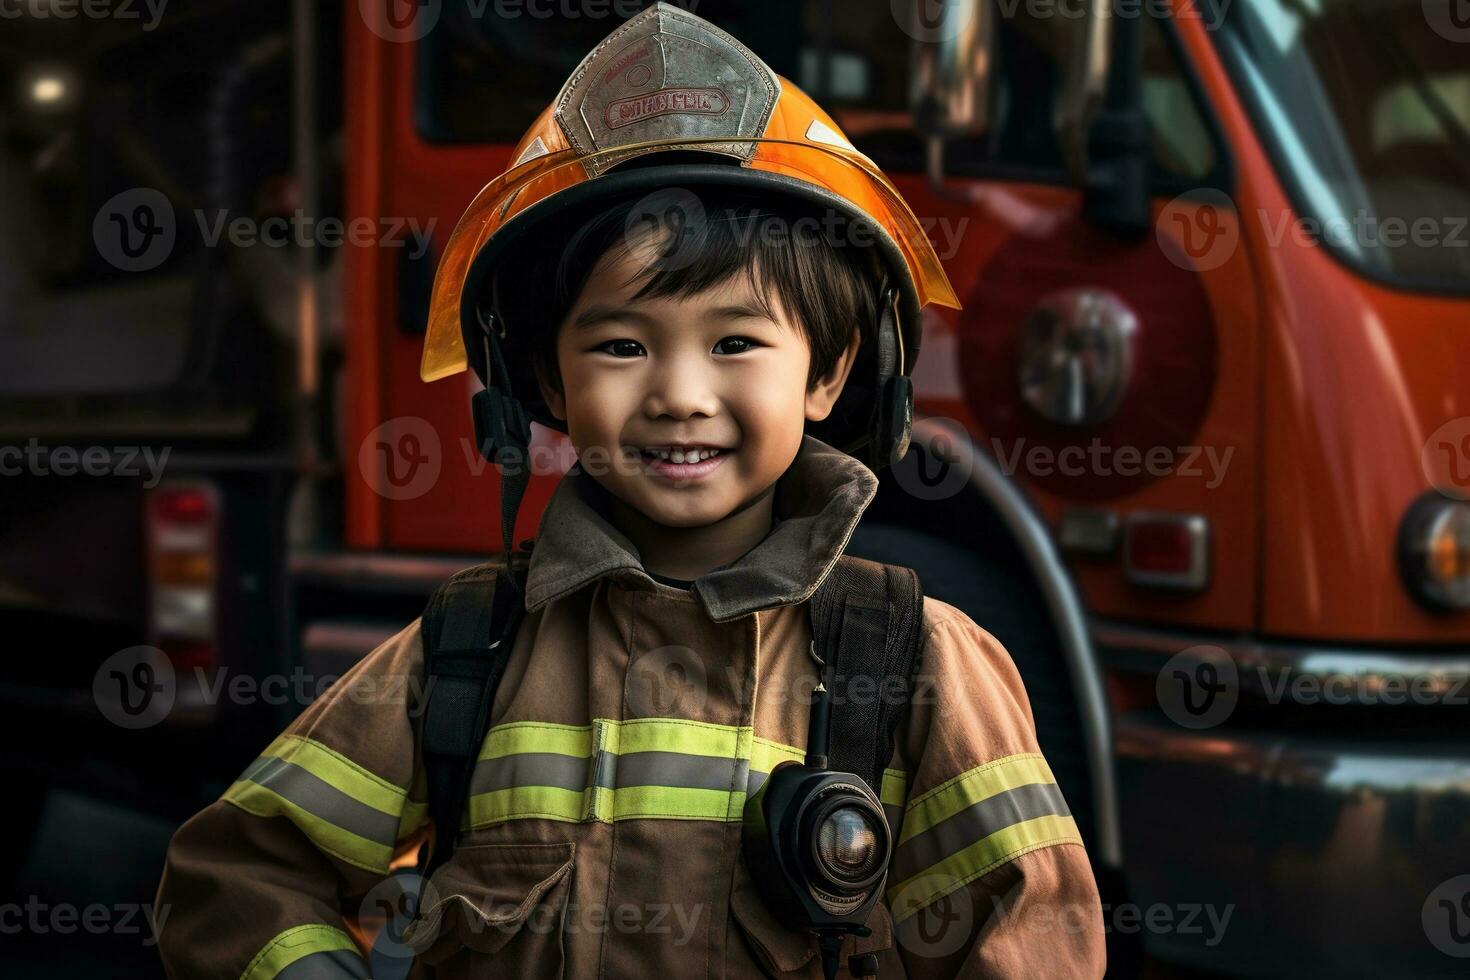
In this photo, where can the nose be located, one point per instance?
(680, 388)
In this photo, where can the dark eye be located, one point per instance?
(621, 348)
(742, 344)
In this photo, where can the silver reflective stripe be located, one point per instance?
(673, 769)
(321, 799)
(529, 769)
(334, 964)
(976, 822)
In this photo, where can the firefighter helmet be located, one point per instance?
(670, 86)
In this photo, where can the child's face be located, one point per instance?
(706, 370)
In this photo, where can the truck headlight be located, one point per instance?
(1076, 356)
(1434, 552)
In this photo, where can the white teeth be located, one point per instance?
(681, 456)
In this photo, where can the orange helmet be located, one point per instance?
(668, 82)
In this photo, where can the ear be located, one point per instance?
(551, 393)
(820, 399)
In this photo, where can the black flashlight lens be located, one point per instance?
(848, 845)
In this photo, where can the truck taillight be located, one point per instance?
(183, 538)
(1169, 551)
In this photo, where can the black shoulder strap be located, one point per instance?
(468, 628)
(866, 619)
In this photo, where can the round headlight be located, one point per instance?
(848, 846)
(1434, 552)
(1076, 356)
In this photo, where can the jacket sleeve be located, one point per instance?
(989, 877)
(255, 885)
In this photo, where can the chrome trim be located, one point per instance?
(1065, 605)
(1257, 660)
(1196, 577)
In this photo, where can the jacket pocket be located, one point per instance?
(495, 910)
(782, 951)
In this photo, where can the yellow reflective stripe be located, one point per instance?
(414, 816)
(520, 775)
(895, 787)
(969, 788)
(292, 945)
(336, 769)
(983, 856)
(527, 803)
(326, 836)
(535, 736)
(767, 755)
(668, 735)
(342, 808)
(665, 803)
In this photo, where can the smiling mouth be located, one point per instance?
(683, 454)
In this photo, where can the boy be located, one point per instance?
(656, 677)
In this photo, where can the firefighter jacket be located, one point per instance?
(602, 832)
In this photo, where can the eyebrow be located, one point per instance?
(598, 313)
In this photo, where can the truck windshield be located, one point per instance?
(1365, 108)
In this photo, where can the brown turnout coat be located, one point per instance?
(602, 834)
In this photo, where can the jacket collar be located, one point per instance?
(819, 500)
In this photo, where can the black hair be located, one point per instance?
(823, 267)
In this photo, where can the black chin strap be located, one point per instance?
(503, 430)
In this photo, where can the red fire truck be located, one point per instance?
(1197, 448)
